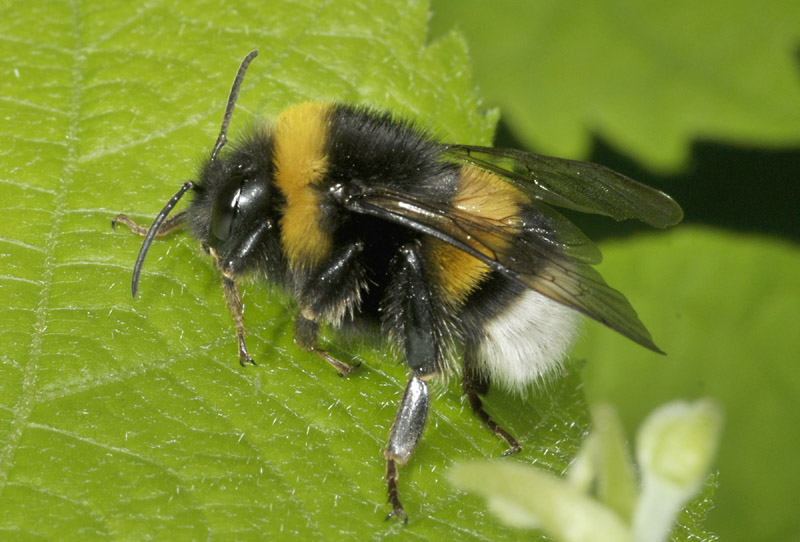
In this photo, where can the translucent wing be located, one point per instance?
(531, 249)
(582, 186)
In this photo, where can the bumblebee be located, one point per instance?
(454, 249)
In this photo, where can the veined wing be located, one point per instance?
(521, 248)
(582, 186)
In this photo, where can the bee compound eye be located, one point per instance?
(225, 208)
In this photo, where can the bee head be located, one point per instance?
(232, 212)
(240, 197)
(229, 195)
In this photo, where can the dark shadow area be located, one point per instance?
(744, 189)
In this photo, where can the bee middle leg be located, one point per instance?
(474, 384)
(327, 294)
(306, 332)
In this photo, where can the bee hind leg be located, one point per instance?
(417, 324)
(474, 384)
(404, 437)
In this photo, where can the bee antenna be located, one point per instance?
(237, 82)
(153, 231)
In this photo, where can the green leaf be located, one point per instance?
(692, 521)
(132, 419)
(647, 76)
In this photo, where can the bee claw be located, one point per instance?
(245, 361)
(398, 512)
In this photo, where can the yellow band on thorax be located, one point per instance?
(300, 137)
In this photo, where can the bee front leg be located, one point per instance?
(168, 226)
(234, 302)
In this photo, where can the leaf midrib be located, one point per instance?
(28, 398)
